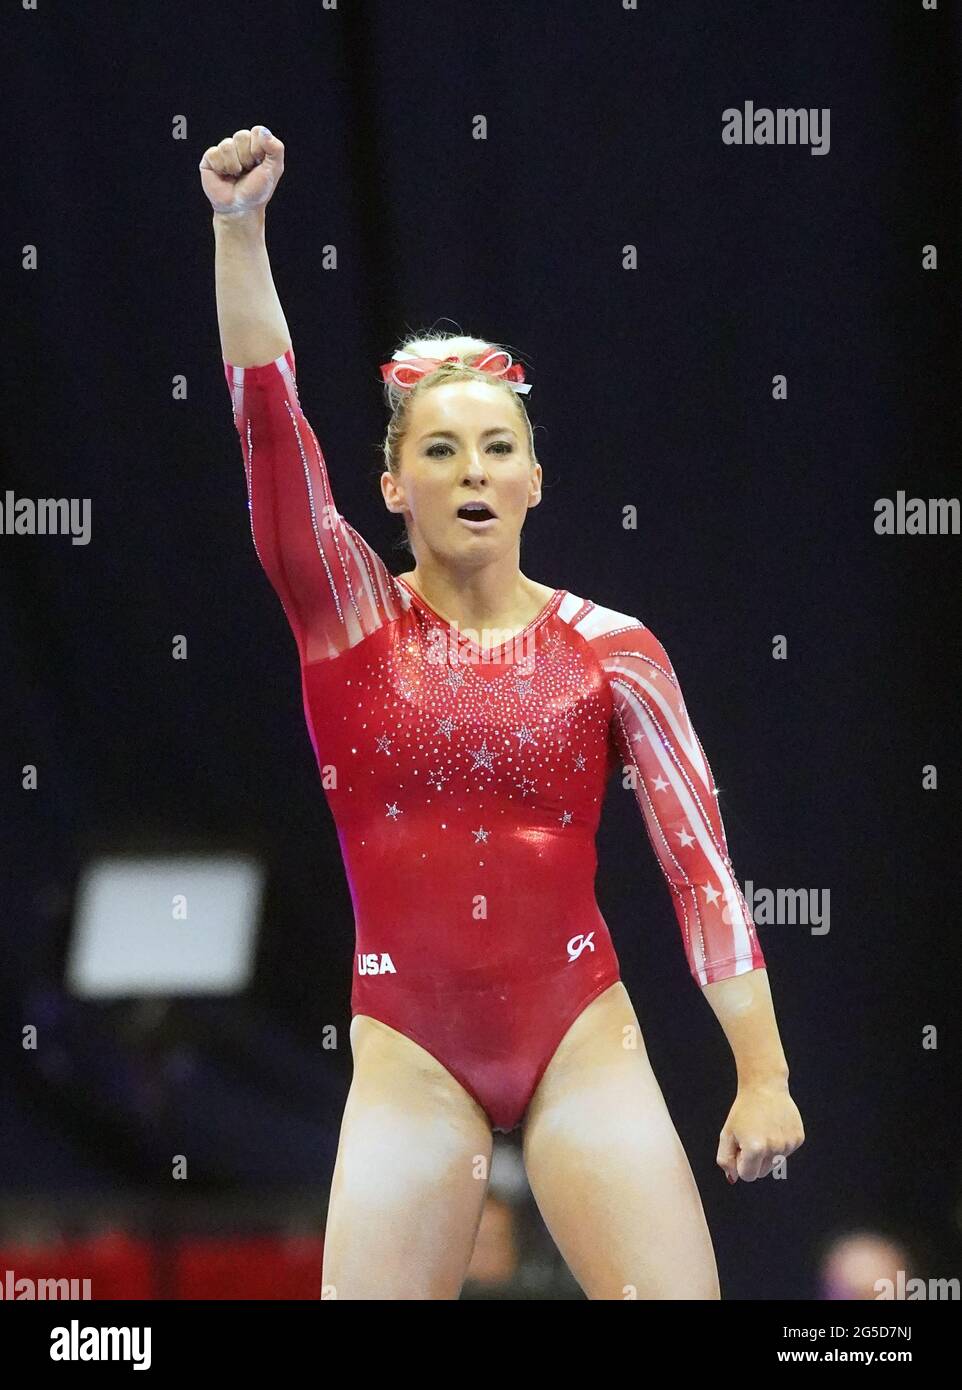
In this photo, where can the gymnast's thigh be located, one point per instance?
(608, 1170)
(410, 1177)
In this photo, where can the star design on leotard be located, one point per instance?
(454, 678)
(711, 893)
(480, 836)
(525, 786)
(524, 735)
(523, 687)
(685, 838)
(659, 784)
(384, 744)
(483, 757)
(565, 818)
(437, 779)
(446, 726)
(580, 763)
(392, 810)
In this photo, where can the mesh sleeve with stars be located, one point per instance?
(676, 792)
(333, 587)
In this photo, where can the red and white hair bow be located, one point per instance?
(406, 370)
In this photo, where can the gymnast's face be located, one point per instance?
(465, 443)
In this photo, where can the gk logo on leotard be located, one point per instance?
(577, 944)
(373, 964)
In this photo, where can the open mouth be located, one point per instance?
(476, 513)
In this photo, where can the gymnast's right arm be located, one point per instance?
(333, 587)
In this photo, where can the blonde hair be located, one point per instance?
(400, 400)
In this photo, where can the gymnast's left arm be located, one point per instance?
(676, 792)
(763, 1125)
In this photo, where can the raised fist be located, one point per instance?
(242, 172)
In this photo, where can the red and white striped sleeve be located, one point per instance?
(333, 587)
(675, 789)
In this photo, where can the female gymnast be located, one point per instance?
(466, 720)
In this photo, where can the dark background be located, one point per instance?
(652, 387)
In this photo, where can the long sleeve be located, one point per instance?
(333, 587)
(676, 793)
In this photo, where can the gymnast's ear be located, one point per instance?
(392, 492)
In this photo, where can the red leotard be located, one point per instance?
(466, 783)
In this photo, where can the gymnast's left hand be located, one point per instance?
(763, 1126)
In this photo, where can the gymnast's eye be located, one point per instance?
(502, 446)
